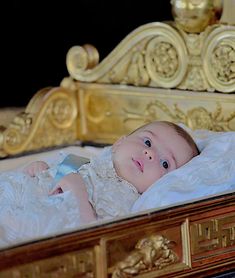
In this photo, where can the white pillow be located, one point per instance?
(210, 173)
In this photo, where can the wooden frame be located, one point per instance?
(100, 102)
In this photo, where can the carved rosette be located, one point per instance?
(162, 55)
(51, 124)
(152, 54)
(219, 58)
(166, 58)
(62, 112)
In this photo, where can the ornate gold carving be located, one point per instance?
(165, 63)
(150, 253)
(194, 16)
(219, 58)
(69, 84)
(76, 264)
(61, 112)
(213, 234)
(50, 124)
(159, 55)
(195, 78)
(164, 60)
(17, 132)
(136, 72)
(192, 53)
(130, 60)
(223, 61)
(196, 118)
(97, 108)
(82, 58)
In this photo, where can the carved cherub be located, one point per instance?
(150, 252)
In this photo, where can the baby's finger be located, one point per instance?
(55, 191)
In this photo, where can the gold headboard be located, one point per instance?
(183, 71)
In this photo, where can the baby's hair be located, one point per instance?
(182, 132)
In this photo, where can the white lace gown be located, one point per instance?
(28, 212)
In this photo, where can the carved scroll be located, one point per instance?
(49, 120)
(161, 55)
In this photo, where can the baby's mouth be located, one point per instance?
(138, 164)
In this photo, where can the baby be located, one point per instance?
(110, 183)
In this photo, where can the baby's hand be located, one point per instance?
(71, 182)
(35, 167)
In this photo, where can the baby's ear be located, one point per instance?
(118, 143)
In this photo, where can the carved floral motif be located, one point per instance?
(223, 62)
(164, 55)
(164, 60)
(196, 118)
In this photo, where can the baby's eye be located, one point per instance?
(147, 142)
(164, 163)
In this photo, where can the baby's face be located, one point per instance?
(149, 153)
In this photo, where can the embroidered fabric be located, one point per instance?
(27, 212)
(110, 195)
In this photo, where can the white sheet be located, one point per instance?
(209, 174)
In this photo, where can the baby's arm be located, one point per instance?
(35, 167)
(74, 182)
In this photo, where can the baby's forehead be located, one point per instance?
(155, 127)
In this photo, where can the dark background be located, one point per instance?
(39, 33)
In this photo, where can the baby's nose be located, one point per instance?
(149, 154)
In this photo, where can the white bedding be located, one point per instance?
(27, 213)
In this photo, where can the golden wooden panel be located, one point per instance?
(126, 108)
(161, 55)
(148, 251)
(48, 120)
(194, 16)
(81, 263)
(216, 234)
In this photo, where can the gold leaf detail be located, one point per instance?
(223, 62)
(164, 59)
(150, 253)
(196, 118)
